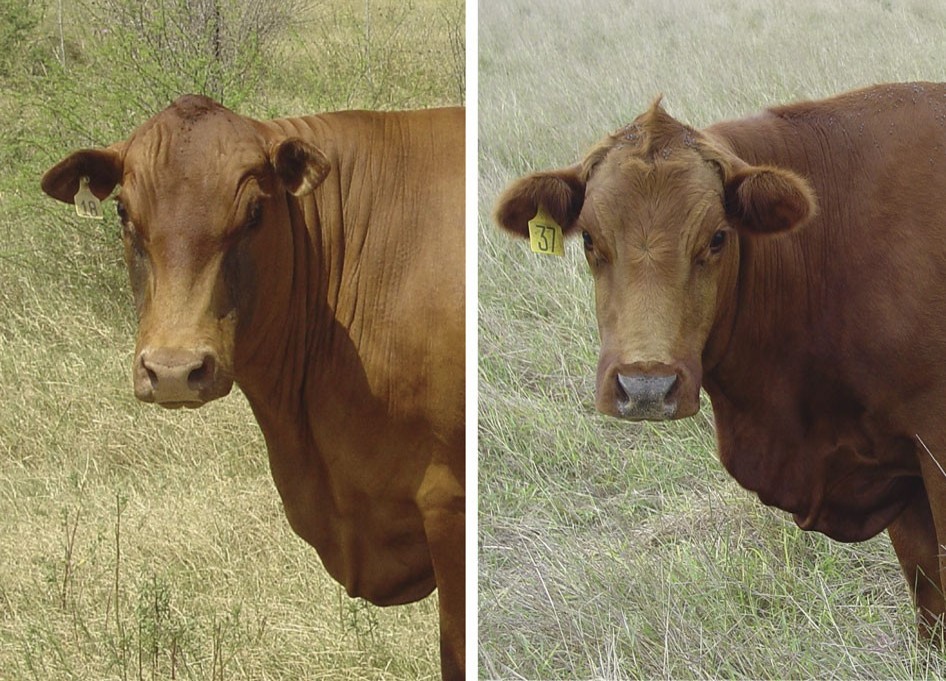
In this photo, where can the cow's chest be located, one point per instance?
(837, 473)
(352, 497)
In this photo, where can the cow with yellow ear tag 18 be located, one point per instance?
(318, 262)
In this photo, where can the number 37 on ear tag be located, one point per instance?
(545, 235)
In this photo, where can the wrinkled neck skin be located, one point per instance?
(301, 361)
(788, 382)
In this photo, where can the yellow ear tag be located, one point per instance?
(87, 206)
(545, 235)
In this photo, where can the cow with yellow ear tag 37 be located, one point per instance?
(318, 262)
(791, 265)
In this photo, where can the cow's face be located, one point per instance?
(659, 208)
(203, 212)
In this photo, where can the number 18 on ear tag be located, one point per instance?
(87, 206)
(545, 235)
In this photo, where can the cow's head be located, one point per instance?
(659, 207)
(203, 210)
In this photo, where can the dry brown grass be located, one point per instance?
(142, 543)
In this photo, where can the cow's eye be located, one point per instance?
(718, 241)
(589, 243)
(128, 227)
(254, 216)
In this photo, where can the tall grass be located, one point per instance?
(614, 550)
(138, 543)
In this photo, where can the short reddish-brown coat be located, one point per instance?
(318, 262)
(806, 299)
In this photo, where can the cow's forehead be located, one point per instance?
(669, 185)
(197, 139)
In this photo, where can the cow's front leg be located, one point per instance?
(442, 503)
(914, 538)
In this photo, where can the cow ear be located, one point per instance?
(103, 167)
(561, 192)
(300, 166)
(767, 200)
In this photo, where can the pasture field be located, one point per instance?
(616, 550)
(139, 543)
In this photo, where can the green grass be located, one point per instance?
(615, 550)
(139, 543)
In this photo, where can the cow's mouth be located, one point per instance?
(179, 405)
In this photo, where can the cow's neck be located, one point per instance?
(276, 374)
(770, 311)
(789, 425)
(273, 350)
(309, 389)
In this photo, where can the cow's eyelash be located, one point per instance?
(254, 215)
(720, 237)
(121, 210)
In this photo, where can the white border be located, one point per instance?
(472, 342)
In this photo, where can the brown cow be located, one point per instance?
(791, 263)
(318, 262)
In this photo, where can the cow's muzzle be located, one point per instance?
(647, 391)
(174, 377)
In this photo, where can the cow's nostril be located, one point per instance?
(621, 392)
(202, 375)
